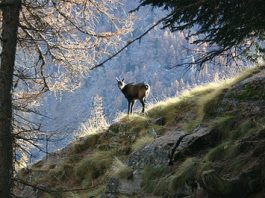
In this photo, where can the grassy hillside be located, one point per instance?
(232, 110)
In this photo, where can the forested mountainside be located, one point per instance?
(146, 61)
(208, 142)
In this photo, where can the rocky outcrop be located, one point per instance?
(246, 97)
(156, 153)
(164, 149)
(211, 183)
(162, 152)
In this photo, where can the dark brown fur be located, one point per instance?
(134, 92)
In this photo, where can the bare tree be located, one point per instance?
(70, 37)
(58, 44)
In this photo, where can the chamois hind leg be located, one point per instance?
(132, 105)
(143, 104)
(129, 107)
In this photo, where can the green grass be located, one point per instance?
(152, 177)
(231, 131)
(223, 125)
(225, 150)
(191, 125)
(85, 143)
(161, 179)
(141, 142)
(95, 192)
(92, 167)
(245, 128)
(208, 103)
(163, 108)
(184, 174)
(46, 195)
(201, 100)
(183, 107)
(62, 172)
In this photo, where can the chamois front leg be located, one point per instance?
(143, 104)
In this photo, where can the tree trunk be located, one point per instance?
(10, 20)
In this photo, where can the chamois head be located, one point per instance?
(121, 83)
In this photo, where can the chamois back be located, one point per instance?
(136, 91)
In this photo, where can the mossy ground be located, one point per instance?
(89, 162)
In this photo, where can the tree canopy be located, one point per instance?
(226, 24)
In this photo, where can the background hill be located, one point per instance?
(207, 142)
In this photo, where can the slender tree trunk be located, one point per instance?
(10, 20)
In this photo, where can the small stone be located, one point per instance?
(160, 121)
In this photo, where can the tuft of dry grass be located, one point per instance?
(141, 142)
(184, 173)
(121, 170)
(93, 167)
(84, 143)
(153, 179)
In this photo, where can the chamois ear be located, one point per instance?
(122, 80)
(117, 79)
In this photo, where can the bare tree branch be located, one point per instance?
(131, 42)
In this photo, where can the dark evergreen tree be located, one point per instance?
(232, 28)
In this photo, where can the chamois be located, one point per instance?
(134, 92)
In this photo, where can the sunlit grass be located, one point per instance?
(201, 100)
(87, 129)
(133, 118)
(166, 109)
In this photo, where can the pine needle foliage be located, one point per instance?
(232, 28)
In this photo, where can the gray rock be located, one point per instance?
(112, 186)
(160, 151)
(156, 153)
(199, 138)
(131, 186)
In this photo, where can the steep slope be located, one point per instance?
(209, 142)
